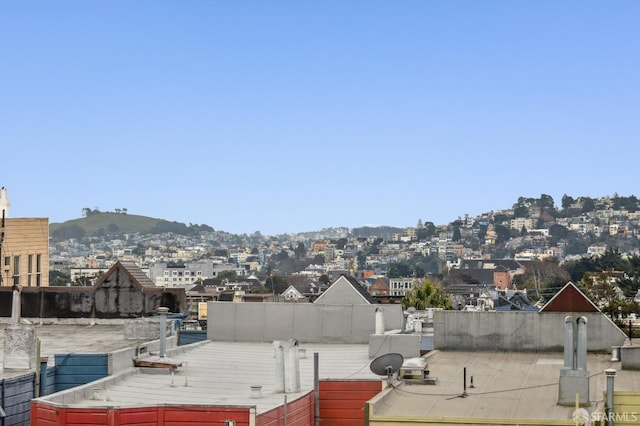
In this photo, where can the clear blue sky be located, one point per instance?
(289, 116)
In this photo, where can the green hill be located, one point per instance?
(101, 224)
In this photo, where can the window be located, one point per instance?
(38, 270)
(29, 270)
(166, 273)
(7, 261)
(16, 270)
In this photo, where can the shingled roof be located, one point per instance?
(135, 273)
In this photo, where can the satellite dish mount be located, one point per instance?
(387, 365)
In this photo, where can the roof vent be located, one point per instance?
(574, 377)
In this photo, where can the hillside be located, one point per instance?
(100, 224)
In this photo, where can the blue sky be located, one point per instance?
(290, 116)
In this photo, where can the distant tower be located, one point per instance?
(4, 203)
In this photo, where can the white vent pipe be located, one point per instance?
(568, 343)
(379, 321)
(581, 347)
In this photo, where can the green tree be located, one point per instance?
(521, 211)
(276, 284)
(398, 270)
(567, 201)
(58, 278)
(456, 234)
(588, 205)
(300, 251)
(503, 234)
(428, 295)
(546, 202)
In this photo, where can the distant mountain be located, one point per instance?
(104, 223)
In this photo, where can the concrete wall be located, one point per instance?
(85, 302)
(407, 345)
(306, 322)
(518, 331)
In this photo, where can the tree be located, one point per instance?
(521, 211)
(456, 234)
(503, 234)
(300, 251)
(546, 202)
(398, 270)
(567, 201)
(276, 284)
(543, 277)
(428, 295)
(588, 205)
(58, 278)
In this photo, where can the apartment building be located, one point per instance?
(166, 275)
(24, 248)
(401, 286)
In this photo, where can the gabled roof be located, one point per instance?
(380, 284)
(570, 299)
(344, 287)
(517, 302)
(133, 271)
(292, 290)
(361, 289)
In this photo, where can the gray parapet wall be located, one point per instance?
(518, 331)
(306, 322)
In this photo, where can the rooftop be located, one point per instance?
(507, 385)
(222, 373)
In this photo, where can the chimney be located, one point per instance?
(574, 376)
(4, 202)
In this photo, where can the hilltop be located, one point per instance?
(100, 224)
(103, 223)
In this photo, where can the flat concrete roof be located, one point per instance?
(507, 385)
(79, 338)
(222, 373)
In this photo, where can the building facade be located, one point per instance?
(24, 252)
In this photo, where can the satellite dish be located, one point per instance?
(386, 365)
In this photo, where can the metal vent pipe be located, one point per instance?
(162, 311)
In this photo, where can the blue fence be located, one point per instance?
(78, 369)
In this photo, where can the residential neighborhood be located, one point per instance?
(493, 254)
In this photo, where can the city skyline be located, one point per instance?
(287, 117)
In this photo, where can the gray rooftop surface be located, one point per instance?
(222, 373)
(506, 385)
